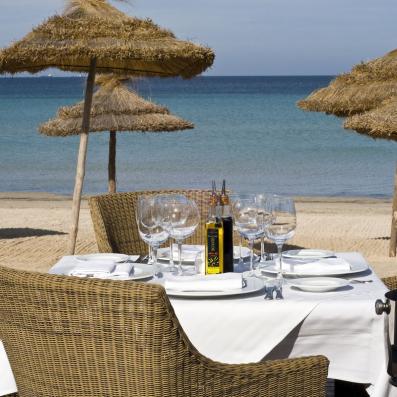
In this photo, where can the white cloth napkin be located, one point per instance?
(99, 269)
(215, 282)
(96, 268)
(320, 266)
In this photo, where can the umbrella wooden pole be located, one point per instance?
(112, 162)
(78, 187)
(393, 233)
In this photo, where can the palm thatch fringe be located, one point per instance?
(115, 97)
(348, 99)
(94, 29)
(377, 123)
(121, 122)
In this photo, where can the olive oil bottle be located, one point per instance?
(214, 236)
(227, 222)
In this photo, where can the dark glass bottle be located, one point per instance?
(227, 221)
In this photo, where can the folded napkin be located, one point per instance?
(215, 282)
(95, 268)
(102, 269)
(320, 266)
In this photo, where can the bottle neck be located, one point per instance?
(214, 213)
(226, 211)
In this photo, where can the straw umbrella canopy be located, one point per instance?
(91, 36)
(114, 108)
(380, 122)
(365, 87)
(367, 96)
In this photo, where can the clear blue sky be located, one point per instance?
(253, 37)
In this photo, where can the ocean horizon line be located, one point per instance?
(30, 76)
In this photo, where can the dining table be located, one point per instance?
(341, 325)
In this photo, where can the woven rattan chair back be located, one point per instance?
(70, 337)
(116, 230)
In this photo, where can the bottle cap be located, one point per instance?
(213, 201)
(224, 197)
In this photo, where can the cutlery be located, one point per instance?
(360, 281)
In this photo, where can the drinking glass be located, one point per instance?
(263, 201)
(235, 199)
(180, 218)
(249, 221)
(282, 227)
(150, 229)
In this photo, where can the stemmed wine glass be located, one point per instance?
(264, 202)
(282, 227)
(235, 199)
(249, 221)
(180, 218)
(150, 229)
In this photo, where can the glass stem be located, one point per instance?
(180, 256)
(280, 260)
(251, 245)
(154, 259)
(171, 253)
(150, 256)
(263, 249)
(240, 260)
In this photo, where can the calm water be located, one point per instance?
(248, 130)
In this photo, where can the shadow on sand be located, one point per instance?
(9, 233)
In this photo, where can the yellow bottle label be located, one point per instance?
(214, 249)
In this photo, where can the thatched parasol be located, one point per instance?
(368, 95)
(344, 99)
(114, 108)
(93, 36)
(380, 122)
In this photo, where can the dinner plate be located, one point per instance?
(308, 254)
(189, 253)
(253, 284)
(142, 271)
(318, 284)
(115, 258)
(273, 268)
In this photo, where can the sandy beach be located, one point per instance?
(34, 229)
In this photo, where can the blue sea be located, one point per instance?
(248, 130)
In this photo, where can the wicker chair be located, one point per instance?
(390, 282)
(113, 217)
(87, 338)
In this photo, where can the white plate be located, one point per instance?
(318, 284)
(254, 284)
(189, 253)
(308, 254)
(115, 258)
(272, 268)
(142, 271)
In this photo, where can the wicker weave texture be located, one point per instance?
(69, 337)
(116, 230)
(390, 282)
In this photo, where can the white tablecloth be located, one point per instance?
(341, 325)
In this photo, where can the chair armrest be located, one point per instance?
(304, 377)
(390, 282)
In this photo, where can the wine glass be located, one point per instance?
(282, 227)
(150, 229)
(263, 201)
(180, 218)
(235, 199)
(249, 221)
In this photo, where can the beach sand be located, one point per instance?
(34, 229)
